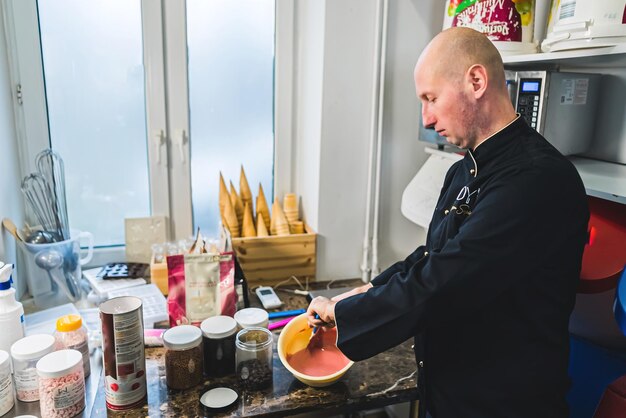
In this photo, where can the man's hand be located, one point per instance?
(325, 310)
(355, 291)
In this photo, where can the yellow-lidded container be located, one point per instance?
(71, 334)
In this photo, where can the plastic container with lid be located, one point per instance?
(219, 345)
(61, 384)
(71, 333)
(183, 357)
(254, 358)
(25, 353)
(252, 317)
(6, 384)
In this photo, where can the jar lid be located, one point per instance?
(58, 363)
(182, 337)
(251, 317)
(218, 399)
(4, 359)
(32, 347)
(68, 323)
(219, 326)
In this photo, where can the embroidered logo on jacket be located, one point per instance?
(464, 201)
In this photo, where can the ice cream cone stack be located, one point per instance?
(280, 220)
(261, 230)
(296, 227)
(223, 196)
(290, 207)
(231, 219)
(244, 188)
(248, 223)
(235, 200)
(262, 208)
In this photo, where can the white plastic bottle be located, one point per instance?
(11, 311)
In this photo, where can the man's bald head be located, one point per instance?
(452, 52)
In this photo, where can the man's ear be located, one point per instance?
(478, 80)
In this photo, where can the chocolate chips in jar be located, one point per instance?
(254, 358)
(184, 357)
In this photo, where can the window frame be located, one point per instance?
(167, 104)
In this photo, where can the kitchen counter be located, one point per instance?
(385, 379)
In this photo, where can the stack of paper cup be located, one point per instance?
(279, 219)
(290, 206)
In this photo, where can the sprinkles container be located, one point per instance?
(6, 384)
(26, 352)
(61, 384)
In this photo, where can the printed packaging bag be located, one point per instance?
(200, 286)
(507, 23)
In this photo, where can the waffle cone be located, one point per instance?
(248, 223)
(262, 208)
(246, 194)
(231, 219)
(235, 200)
(223, 195)
(261, 230)
(281, 224)
(296, 227)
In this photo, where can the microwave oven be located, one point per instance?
(560, 106)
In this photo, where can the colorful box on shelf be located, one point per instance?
(270, 260)
(158, 275)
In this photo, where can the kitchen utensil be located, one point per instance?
(49, 260)
(50, 166)
(10, 226)
(42, 237)
(40, 197)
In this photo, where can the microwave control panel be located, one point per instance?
(528, 100)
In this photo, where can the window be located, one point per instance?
(147, 101)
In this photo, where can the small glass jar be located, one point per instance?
(183, 357)
(6, 384)
(252, 317)
(219, 345)
(71, 333)
(61, 384)
(254, 358)
(26, 352)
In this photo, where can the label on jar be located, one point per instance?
(69, 395)
(83, 347)
(26, 379)
(6, 394)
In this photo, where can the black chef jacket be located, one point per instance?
(488, 298)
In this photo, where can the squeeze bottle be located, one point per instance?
(11, 311)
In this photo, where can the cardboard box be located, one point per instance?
(270, 260)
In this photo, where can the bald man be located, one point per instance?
(488, 297)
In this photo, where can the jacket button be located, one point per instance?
(445, 212)
(421, 363)
(472, 171)
(425, 253)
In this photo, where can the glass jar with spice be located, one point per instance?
(254, 358)
(61, 384)
(183, 356)
(26, 352)
(71, 333)
(219, 345)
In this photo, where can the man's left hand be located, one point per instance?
(325, 309)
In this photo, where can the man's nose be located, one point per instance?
(428, 119)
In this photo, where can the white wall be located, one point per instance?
(335, 128)
(11, 202)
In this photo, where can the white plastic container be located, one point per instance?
(25, 354)
(6, 384)
(11, 311)
(61, 384)
(252, 317)
(71, 333)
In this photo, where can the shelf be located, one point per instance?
(602, 179)
(608, 56)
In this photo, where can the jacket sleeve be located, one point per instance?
(400, 266)
(503, 240)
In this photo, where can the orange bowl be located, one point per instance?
(295, 337)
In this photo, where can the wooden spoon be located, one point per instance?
(10, 226)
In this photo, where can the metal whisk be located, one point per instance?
(50, 166)
(39, 195)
